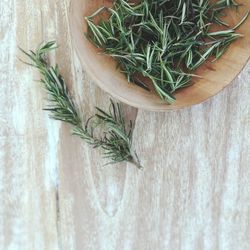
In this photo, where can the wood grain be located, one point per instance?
(194, 192)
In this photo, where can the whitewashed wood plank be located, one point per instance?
(194, 192)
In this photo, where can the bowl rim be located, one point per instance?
(155, 108)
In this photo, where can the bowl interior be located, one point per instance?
(215, 76)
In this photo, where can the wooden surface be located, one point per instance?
(194, 192)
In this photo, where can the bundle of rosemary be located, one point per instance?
(116, 137)
(162, 40)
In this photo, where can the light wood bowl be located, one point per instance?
(215, 76)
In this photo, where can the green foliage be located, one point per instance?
(116, 134)
(163, 40)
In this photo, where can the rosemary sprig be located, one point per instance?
(163, 40)
(116, 138)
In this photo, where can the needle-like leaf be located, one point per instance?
(164, 40)
(116, 133)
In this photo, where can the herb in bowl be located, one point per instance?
(164, 41)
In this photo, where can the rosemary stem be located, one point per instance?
(136, 163)
(116, 135)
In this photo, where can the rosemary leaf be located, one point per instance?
(116, 137)
(163, 40)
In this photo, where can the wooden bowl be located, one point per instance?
(215, 76)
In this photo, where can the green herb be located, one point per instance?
(163, 40)
(116, 140)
